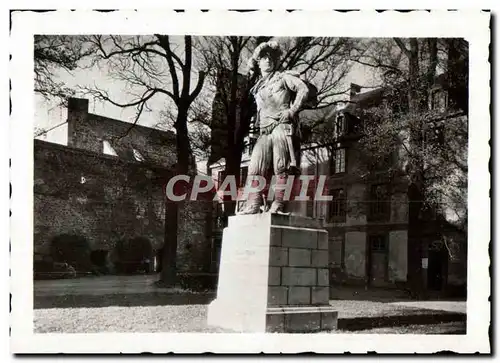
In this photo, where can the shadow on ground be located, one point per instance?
(137, 299)
(430, 318)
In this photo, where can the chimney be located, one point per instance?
(355, 89)
(78, 109)
(78, 105)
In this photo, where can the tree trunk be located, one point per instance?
(168, 275)
(415, 188)
(415, 226)
(233, 163)
(168, 270)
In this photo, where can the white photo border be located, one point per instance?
(473, 25)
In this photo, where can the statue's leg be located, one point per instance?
(260, 163)
(281, 164)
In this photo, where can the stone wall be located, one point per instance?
(100, 197)
(105, 199)
(81, 190)
(89, 131)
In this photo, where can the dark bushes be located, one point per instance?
(100, 260)
(72, 249)
(134, 255)
(44, 268)
(197, 281)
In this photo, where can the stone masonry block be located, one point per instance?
(329, 321)
(299, 276)
(299, 295)
(323, 279)
(275, 323)
(295, 221)
(277, 295)
(319, 258)
(276, 236)
(299, 257)
(274, 276)
(322, 240)
(303, 322)
(299, 238)
(278, 256)
(320, 295)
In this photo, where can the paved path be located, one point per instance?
(99, 285)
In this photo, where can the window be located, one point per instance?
(379, 203)
(378, 243)
(243, 175)
(219, 217)
(220, 178)
(338, 205)
(435, 135)
(378, 259)
(340, 125)
(386, 162)
(438, 100)
(338, 161)
(107, 149)
(439, 134)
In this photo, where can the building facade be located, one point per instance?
(367, 219)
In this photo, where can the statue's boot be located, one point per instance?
(278, 205)
(253, 203)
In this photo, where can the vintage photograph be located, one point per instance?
(251, 184)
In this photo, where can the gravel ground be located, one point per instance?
(454, 306)
(178, 318)
(137, 319)
(355, 308)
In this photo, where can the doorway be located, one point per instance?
(377, 260)
(436, 269)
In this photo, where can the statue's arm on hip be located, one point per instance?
(299, 87)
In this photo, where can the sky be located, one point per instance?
(48, 115)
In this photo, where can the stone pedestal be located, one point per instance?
(273, 276)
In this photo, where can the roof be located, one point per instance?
(365, 100)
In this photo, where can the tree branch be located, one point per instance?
(186, 69)
(199, 86)
(402, 46)
(165, 44)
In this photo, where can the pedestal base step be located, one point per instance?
(307, 319)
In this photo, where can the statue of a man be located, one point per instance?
(279, 96)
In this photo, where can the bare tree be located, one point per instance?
(150, 67)
(53, 53)
(228, 115)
